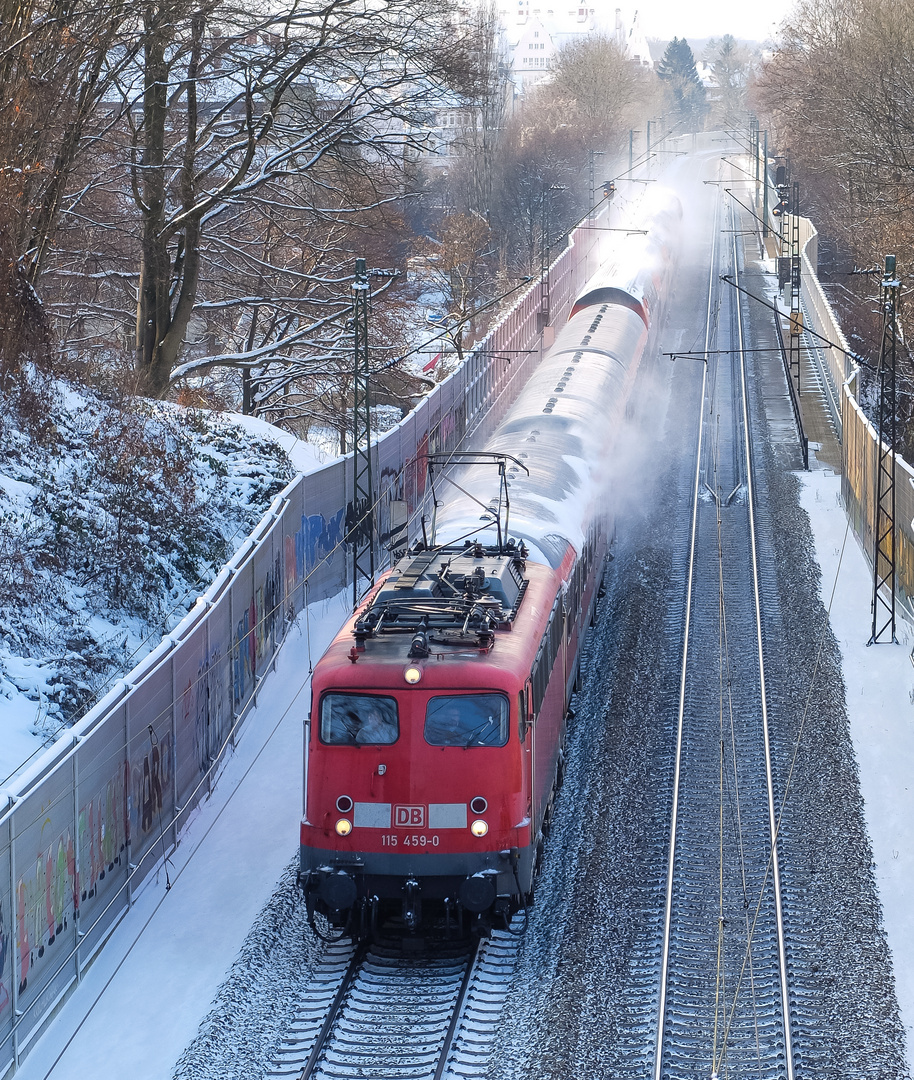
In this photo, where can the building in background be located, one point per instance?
(536, 30)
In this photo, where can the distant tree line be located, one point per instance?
(538, 173)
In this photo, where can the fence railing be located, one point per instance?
(859, 438)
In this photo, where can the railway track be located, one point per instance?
(724, 980)
(628, 972)
(373, 1011)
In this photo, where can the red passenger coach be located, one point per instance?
(434, 742)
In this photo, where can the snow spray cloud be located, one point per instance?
(564, 428)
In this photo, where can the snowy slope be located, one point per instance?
(113, 518)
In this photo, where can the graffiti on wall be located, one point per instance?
(449, 430)
(205, 708)
(71, 864)
(149, 782)
(68, 871)
(255, 637)
(314, 540)
(48, 891)
(4, 949)
(390, 487)
(267, 604)
(244, 653)
(103, 828)
(416, 472)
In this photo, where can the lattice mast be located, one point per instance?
(754, 153)
(884, 525)
(765, 185)
(592, 155)
(796, 316)
(545, 225)
(361, 516)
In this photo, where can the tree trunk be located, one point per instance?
(161, 328)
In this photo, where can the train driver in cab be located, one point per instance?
(358, 719)
(376, 727)
(467, 720)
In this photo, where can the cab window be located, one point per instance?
(467, 720)
(358, 719)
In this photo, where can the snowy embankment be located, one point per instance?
(113, 519)
(879, 688)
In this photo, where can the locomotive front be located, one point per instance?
(418, 778)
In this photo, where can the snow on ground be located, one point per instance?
(305, 456)
(142, 1001)
(879, 683)
(114, 517)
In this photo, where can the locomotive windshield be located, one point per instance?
(357, 719)
(467, 720)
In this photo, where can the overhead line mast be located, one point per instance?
(361, 510)
(884, 524)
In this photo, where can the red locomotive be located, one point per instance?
(438, 720)
(434, 745)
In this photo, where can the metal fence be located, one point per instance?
(858, 489)
(858, 436)
(97, 811)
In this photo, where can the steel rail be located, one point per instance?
(772, 809)
(333, 1012)
(668, 903)
(451, 1036)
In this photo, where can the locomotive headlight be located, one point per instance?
(343, 827)
(479, 827)
(412, 674)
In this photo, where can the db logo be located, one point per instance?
(409, 817)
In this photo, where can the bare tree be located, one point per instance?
(490, 102)
(341, 81)
(218, 111)
(838, 94)
(540, 188)
(598, 87)
(54, 68)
